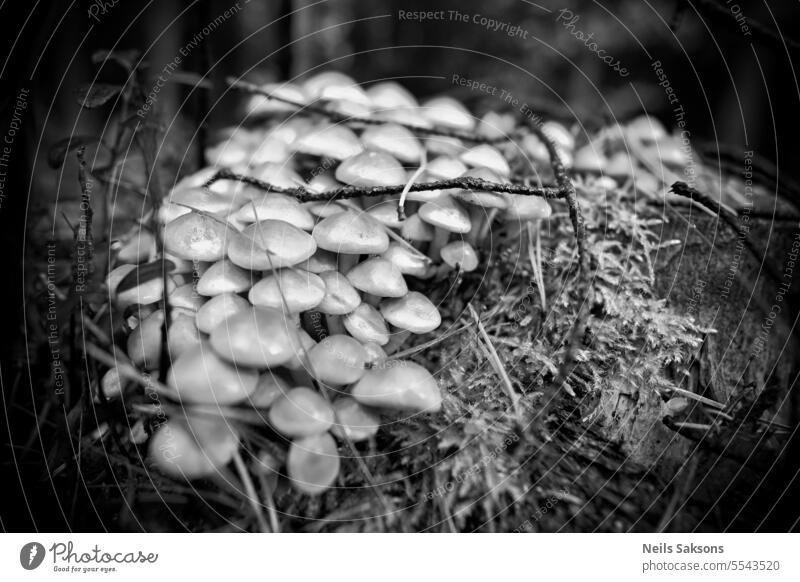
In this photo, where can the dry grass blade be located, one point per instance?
(252, 497)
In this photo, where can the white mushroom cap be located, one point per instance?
(446, 214)
(448, 113)
(147, 292)
(445, 168)
(590, 158)
(407, 261)
(385, 212)
(367, 325)
(228, 153)
(301, 343)
(320, 262)
(351, 233)
(224, 277)
(138, 247)
(524, 208)
(559, 134)
(369, 169)
(195, 236)
(378, 276)
(416, 229)
(313, 463)
(263, 105)
(340, 297)
(443, 145)
(186, 297)
(194, 447)
(486, 156)
(495, 125)
(460, 254)
(301, 412)
(292, 289)
(218, 309)
(375, 353)
(390, 95)
(620, 164)
(337, 142)
(404, 385)
(281, 175)
(646, 128)
(200, 376)
(271, 150)
(277, 207)
(353, 420)
(260, 337)
(395, 140)
(414, 312)
(270, 387)
(287, 246)
(482, 198)
(337, 360)
(201, 199)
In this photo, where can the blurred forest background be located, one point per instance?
(739, 91)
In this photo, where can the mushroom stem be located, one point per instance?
(535, 255)
(440, 238)
(335, 325)
(396, 341)
(371, 299)
(486, 227)
(477, 216)
(250, 491)
(347, 262)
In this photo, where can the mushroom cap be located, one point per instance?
(460, 253)
(115, 277)
(201, 376)
(263, 105)
(336, 86)
(323, 182)
(414, 312)
(138, 247)
(337, 360)
(495, 125)
(147, 292)
(194, 180)
(375, 353)
(486, 156)
(193, 447)
(404, 385)
(228, 153)
(522, 207)
(407, 261)
(351, 233)
(224, 277)
(203, 199)
(390, 95)
(261, 337)
(443, 145)
(300, 290)
(416, 229)
(670, 152)
(337, 142)
(369, 169)
(385, 212)
(446, 214)
(533, 146)
(353, 420)
(445, 168)
(645, 127)
(313, 463)
(482, 198)
(367, 325)
(287, 246)
(198, 237)
(270, 387)
(448, 113)
(320, 262)
(277, 207)
(110, 384)
(559, 135)
(300, 345)
(314, 85)
(186, 297)
(340, 297)
(620, 164)
(218, 309)
(182, 334)
(378, 276)
(394, 140)
(431, 195)
(144, 343)
(278, 174)
(301, 412)
(589, 158)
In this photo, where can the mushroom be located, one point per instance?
(259, 105)
(336, 142)
(645, 128)
(478, 201)
(270, 244)
(261, 337)
(293, 290)
(374, 353)
(186, 297)
(198, 237)
(313, 463)
(394, 140)
(414, 313)
(320, 262)
(410, 116)
(367, 325)
(378, 277)
(138, 285)
(486, 156)
(417, 230)
(407, 261)
(270, 150)
(144, 344)
(353, 421)
(390, 95)
(495, 125)
(277, 207)
(448, 113)
(445, 168)
(340, 296)
(218, 309)
(224, 277)
(350, 234)
(138, 247)
(201, 376)
(193, 447)
(460, 255)
(270, 387)
(589, 158)
(337, 360)
(369, 169)
(403, 385)
(301, 412)
(110, 384)
(447, 216)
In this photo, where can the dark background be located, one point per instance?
(739, 93)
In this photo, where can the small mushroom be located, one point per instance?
(261, 337)
(290, 289)
(320, 262)
(448, 113)
(224, 277)
(340, 296)
(390, 95)
(369, 169)
(445, 168)
(404, 385)
(337, 360)
(139, 247)
(194, 447)
(411, 116)
(144, 344)
(270, 244)
(417, 230)
(367, 325)
(495, 125)
(198, 237)
(589, 158)
(301, 412)
(186, 297)
(351, 233)
(378, 277)
(374, 353)
(336, 142)
(218, 309)
(277, 207)
(111, 385)
(414, 313)
(486, 156)
(269, 388)
(447, 216)
(263, 105)
(460, 254)
(201, 376)
(394, 140)
(407, 261)
(313, 463)
(353, 421)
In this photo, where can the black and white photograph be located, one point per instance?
(323, 267)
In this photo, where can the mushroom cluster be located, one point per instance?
(294, 308)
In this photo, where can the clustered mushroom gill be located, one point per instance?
(292, 309)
